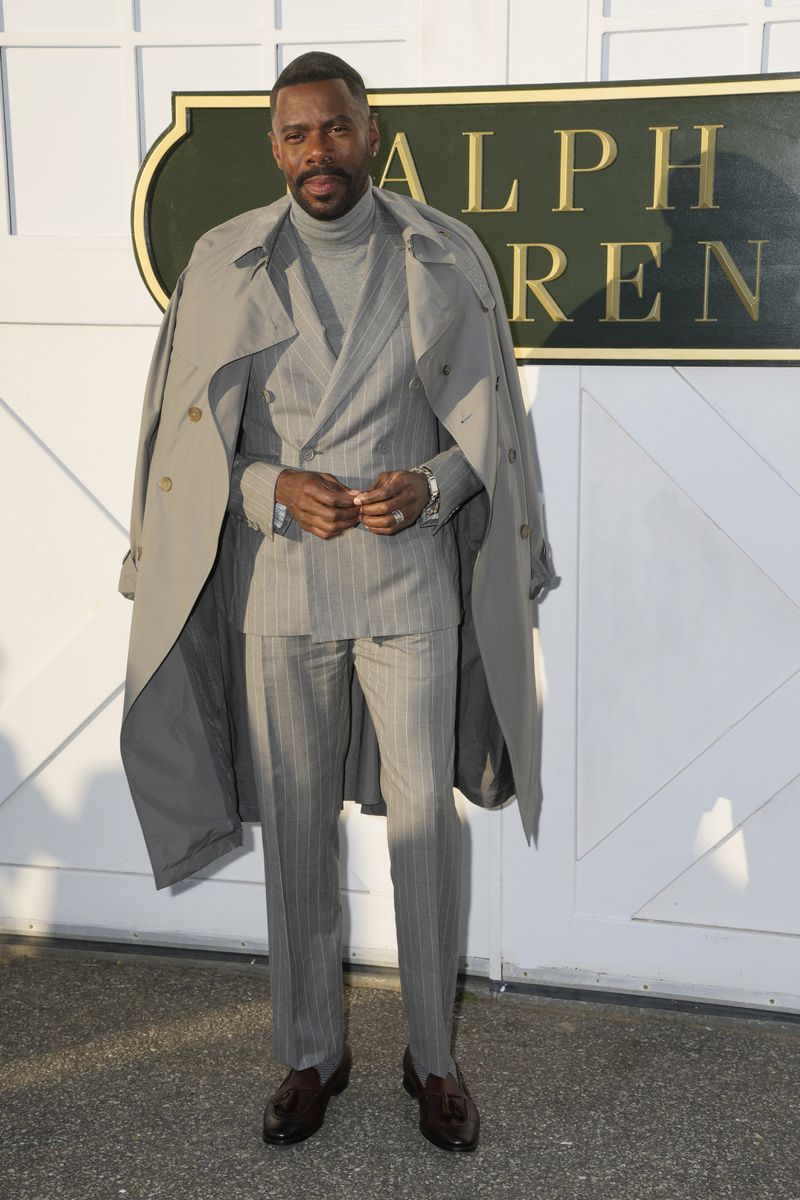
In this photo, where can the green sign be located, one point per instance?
(655, 222)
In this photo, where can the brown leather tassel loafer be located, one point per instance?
(447, 1113)
(297, 1108)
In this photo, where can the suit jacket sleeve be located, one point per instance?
(456, 481)
(252, 494)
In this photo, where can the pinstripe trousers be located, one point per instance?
(298, 706)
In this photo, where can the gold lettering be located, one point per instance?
(608, 153)
(475, 178)
(663, 166)
(558, 265)
(615, 280)
(410, 176)
(750, 300)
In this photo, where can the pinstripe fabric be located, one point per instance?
(311, 610)
(354, 416)
(297, 699)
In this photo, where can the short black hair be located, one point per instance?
(316, 66)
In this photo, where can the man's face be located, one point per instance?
(323, 140)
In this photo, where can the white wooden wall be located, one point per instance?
(672, 648)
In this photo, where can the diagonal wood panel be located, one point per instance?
(710, 461)
(742, 644)
(83, 545)
(749, 765)
(745, 881)
(680, 634)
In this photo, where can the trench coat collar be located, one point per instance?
(246, 314)
(432, 249)
(429, 246)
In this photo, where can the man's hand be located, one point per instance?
(405, 492)
(318, 502)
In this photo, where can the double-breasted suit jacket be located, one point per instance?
(352, 416)
(184, 733)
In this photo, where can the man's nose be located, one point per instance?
(319, 148)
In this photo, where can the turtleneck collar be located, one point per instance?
(340, 233)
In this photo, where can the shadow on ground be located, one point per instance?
(147, 1081)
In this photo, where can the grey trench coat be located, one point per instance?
(184, 729)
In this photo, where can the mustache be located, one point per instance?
(306, 175)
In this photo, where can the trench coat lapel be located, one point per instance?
(255, 319)
(247, 315)
(379, 306)
(428, 258)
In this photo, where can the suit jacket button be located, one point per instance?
(524, 531)
(512, 455)
(165, 483)
(307, 453)
(446, 369)
(194, 413)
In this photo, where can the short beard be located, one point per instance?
(323, 209)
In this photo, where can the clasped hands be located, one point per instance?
(323, 506)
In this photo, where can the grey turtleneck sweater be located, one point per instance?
(334, 256)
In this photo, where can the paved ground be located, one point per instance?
(146, 1080)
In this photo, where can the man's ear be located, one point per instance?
(276, 149)
(373, 136)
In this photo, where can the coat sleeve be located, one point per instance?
(151, 413)
(543, 575)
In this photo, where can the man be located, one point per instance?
(344, 346)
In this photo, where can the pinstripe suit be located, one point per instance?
(312, 612)
(372, 417)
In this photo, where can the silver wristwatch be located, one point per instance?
(430, 512)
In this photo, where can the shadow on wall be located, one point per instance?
(752, 204)
(78, 858)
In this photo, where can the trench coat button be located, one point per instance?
(512, 455)
(446, 369)
(485, 307)
(165, 483)
(307, 453)
(194, 413)
(524, 531)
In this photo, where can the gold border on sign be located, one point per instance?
(183, 102)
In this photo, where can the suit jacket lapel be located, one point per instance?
(380, 304)
(292, 288)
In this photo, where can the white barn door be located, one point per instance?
(672, 762)
(85, 90)
(671, 648)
